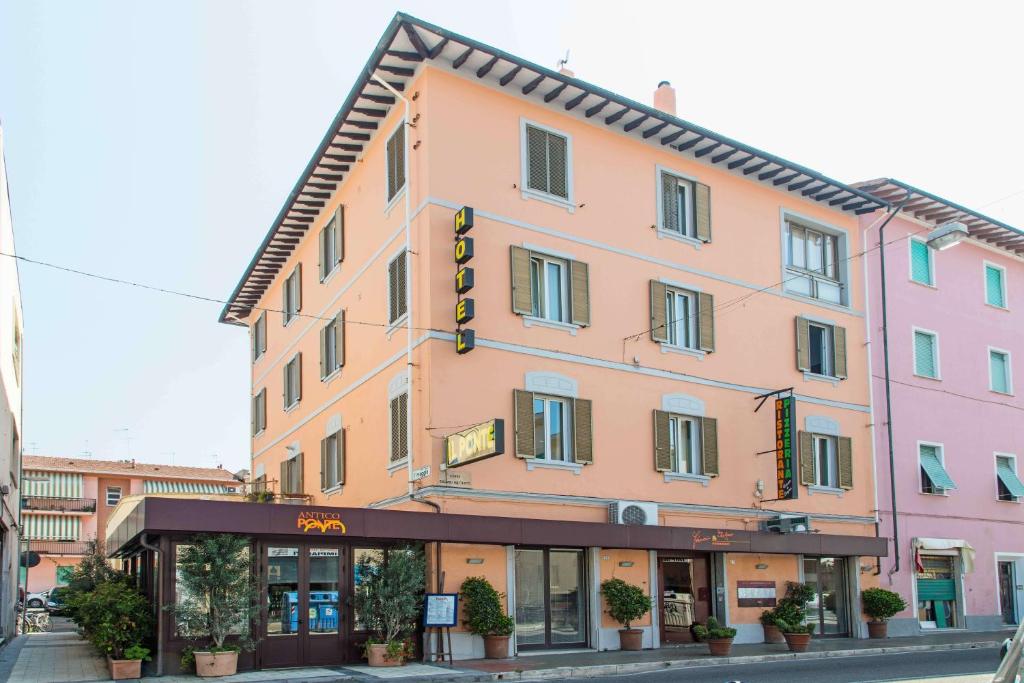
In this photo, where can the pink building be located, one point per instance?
(957, 437)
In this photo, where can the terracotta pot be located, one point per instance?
(631, 639)
(122, 669)
(377, 655)
(496, 647)
(797, 642)
(878, 629)
(210, 664)
(720, 647)
(772, 634)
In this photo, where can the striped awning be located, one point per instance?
(52, 527)
(158, 486)
(1010, 480)
(52, 484)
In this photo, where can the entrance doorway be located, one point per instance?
(550, 598)
(936, 591)
(302, 622)
(829, 608)
(1008, 592)
(684, 597)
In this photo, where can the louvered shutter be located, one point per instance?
(299, 474)
(298, 287)
(284, 484)
(262, 416)
(839, 350)
(298, 376)
(803, 345)
(395, 430)
(709, 445)
(321, 253)
(659, 313)
(806, 444)
(324, 371)
(522, 292)
(285, 385)
(558, 166)
(340, 472)
(403, 294)
(403, 423)
(263, 335)
(536, 159)
(583, 431)
(706, 316)
(579, 292)
(400, 158)
(285, 307)
(252, 416)
(525, 426)
(393, 291)
(662, 442)
(844, 456)
(702, 211)
(323, 465)
(339, 339)
(339, 234)
(669, 202)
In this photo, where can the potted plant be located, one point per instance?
(116, 618)
(789, 616)
(881, 605)
(719, 638)
(626, 603)
(485, 616)
(389, 598)
(772, 634)
(216, 600)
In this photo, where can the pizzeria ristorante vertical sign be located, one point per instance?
(785, 467)
(465, 338)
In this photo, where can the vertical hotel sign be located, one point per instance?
(465, 338)
(785, 467)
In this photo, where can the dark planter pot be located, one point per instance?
(797, 642)
(772, 634)
(720, 647)
(631, 639)
(496, 647)
(878, 629)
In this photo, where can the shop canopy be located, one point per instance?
(964, 549)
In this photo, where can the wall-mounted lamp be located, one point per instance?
(865, 568)
(625, 563)
(947, 235)
(474, 560)
(761, 565)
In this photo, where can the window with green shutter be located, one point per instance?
(1008, 483)
(921, 262)
(926, 354)
(995, 286)
(934, 477)
(999, 371)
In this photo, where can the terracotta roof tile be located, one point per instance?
(125, 467)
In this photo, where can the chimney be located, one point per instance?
(566, 71)
(665, 98)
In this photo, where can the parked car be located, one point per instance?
(55, 601)
(37, 600)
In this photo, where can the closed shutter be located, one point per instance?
(662, 442)
(298, 376)
(284, 477)
(522, 292)
(298, 287)
(396, 162)
(709, 445)
(525, 426)
(583, 431)
(403, 294)
(284, 385)
(994, 287)
(558, 166)
(702, 212)
(839, 350)
(920, 262)
(285, 307)
(669, 202)
(263, 333)
(341, 457)
(252, 416)
(924, 354)
(298, 469)
(324, 371)
(803, 345)
(845, 457)
(579, 292)
(262, 415)
(706, 311)
(339, 339)
(393, 291)
(659, 313)
(321, 253)
(323, 465)
(536, 159)
(395, 428)
(339, 234)
(806, 458)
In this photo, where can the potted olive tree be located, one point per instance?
(718, 637)
(389, 599)
(485, 616)
(790, 616)
(217, 599)
(626, 603)
(881, 605)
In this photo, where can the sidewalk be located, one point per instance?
(58, 657)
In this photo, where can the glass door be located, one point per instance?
(282, 644)
(829, 608)
(550, 598)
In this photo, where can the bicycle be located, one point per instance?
(37, 622)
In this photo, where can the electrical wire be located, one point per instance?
(952, 393)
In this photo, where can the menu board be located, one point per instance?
(440, 609)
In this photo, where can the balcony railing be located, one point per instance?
(55, 504)
(59, 547)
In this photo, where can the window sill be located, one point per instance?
(332, 491)
(396, 325)
(814, 377)
(292, 319)
(1001, 500)
(390, 204)
(1001, 393)
(398, 465)
(701, 479)
(934, 379)
(828, 490)
(682, 350)
(334, 373)
(533, 463)
(534, 321)
(259, 433)
(944, 494)
(292, 407)
(679, 237)
(1004, 309)
(548, 199)
(330, 276)
(842, 308)
(924, 284)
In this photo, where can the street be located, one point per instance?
(894, 667)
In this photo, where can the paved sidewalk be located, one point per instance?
(59, 657)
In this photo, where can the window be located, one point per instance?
(259, 337)
(926, 354)
(113, 495)
(812, 262)
(677, 205)
(259, 412)
(293, 381)
(826, 466)
(546, 162)
(332, 461)
(293, 294)
(552, 429)
(332, 243)
(934, 477)
(1008, 484)
(399, 428)
(396, 162)
(397, 295)
(291, 475)
(999, 377)
(995, 285)
(821, 349)
(332, 346)
(681, 318)
(684, 442)
(921, 262)
(550, 288)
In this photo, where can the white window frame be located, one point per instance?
(1002, 281)
(671, 295)
(330, 348)
(695, 467)
(117, 491)
(524, 168)
(935, 347)
(940, 451)
(1009, 372)
(389, 202)
(842, 279)
(831, 480)
(828, 352)
(400, 320)
(260, 412)
(336, 436)
(931, 262)
(1013, 466)
(688, 236)
(291, 283)
(567, 429)
(540, 292)
(330, 249)
(290, 370)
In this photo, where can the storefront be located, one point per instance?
(303, 558)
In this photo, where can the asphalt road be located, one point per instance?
(874, 668)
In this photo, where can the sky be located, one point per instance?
(155, 142)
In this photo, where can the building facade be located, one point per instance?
(66, 503)
(953, 337)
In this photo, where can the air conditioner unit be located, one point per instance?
(632, 512)
(793, 524)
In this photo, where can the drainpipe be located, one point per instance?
(144, 542)
(408, 280)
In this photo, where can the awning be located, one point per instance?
(935, 471)
(965, 549)
(52, 527)
(157, 486)
(1009, 479)
(51, 484)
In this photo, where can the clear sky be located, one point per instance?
(156, 141)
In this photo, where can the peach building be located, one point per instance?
(65, 504)
(499, 290)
